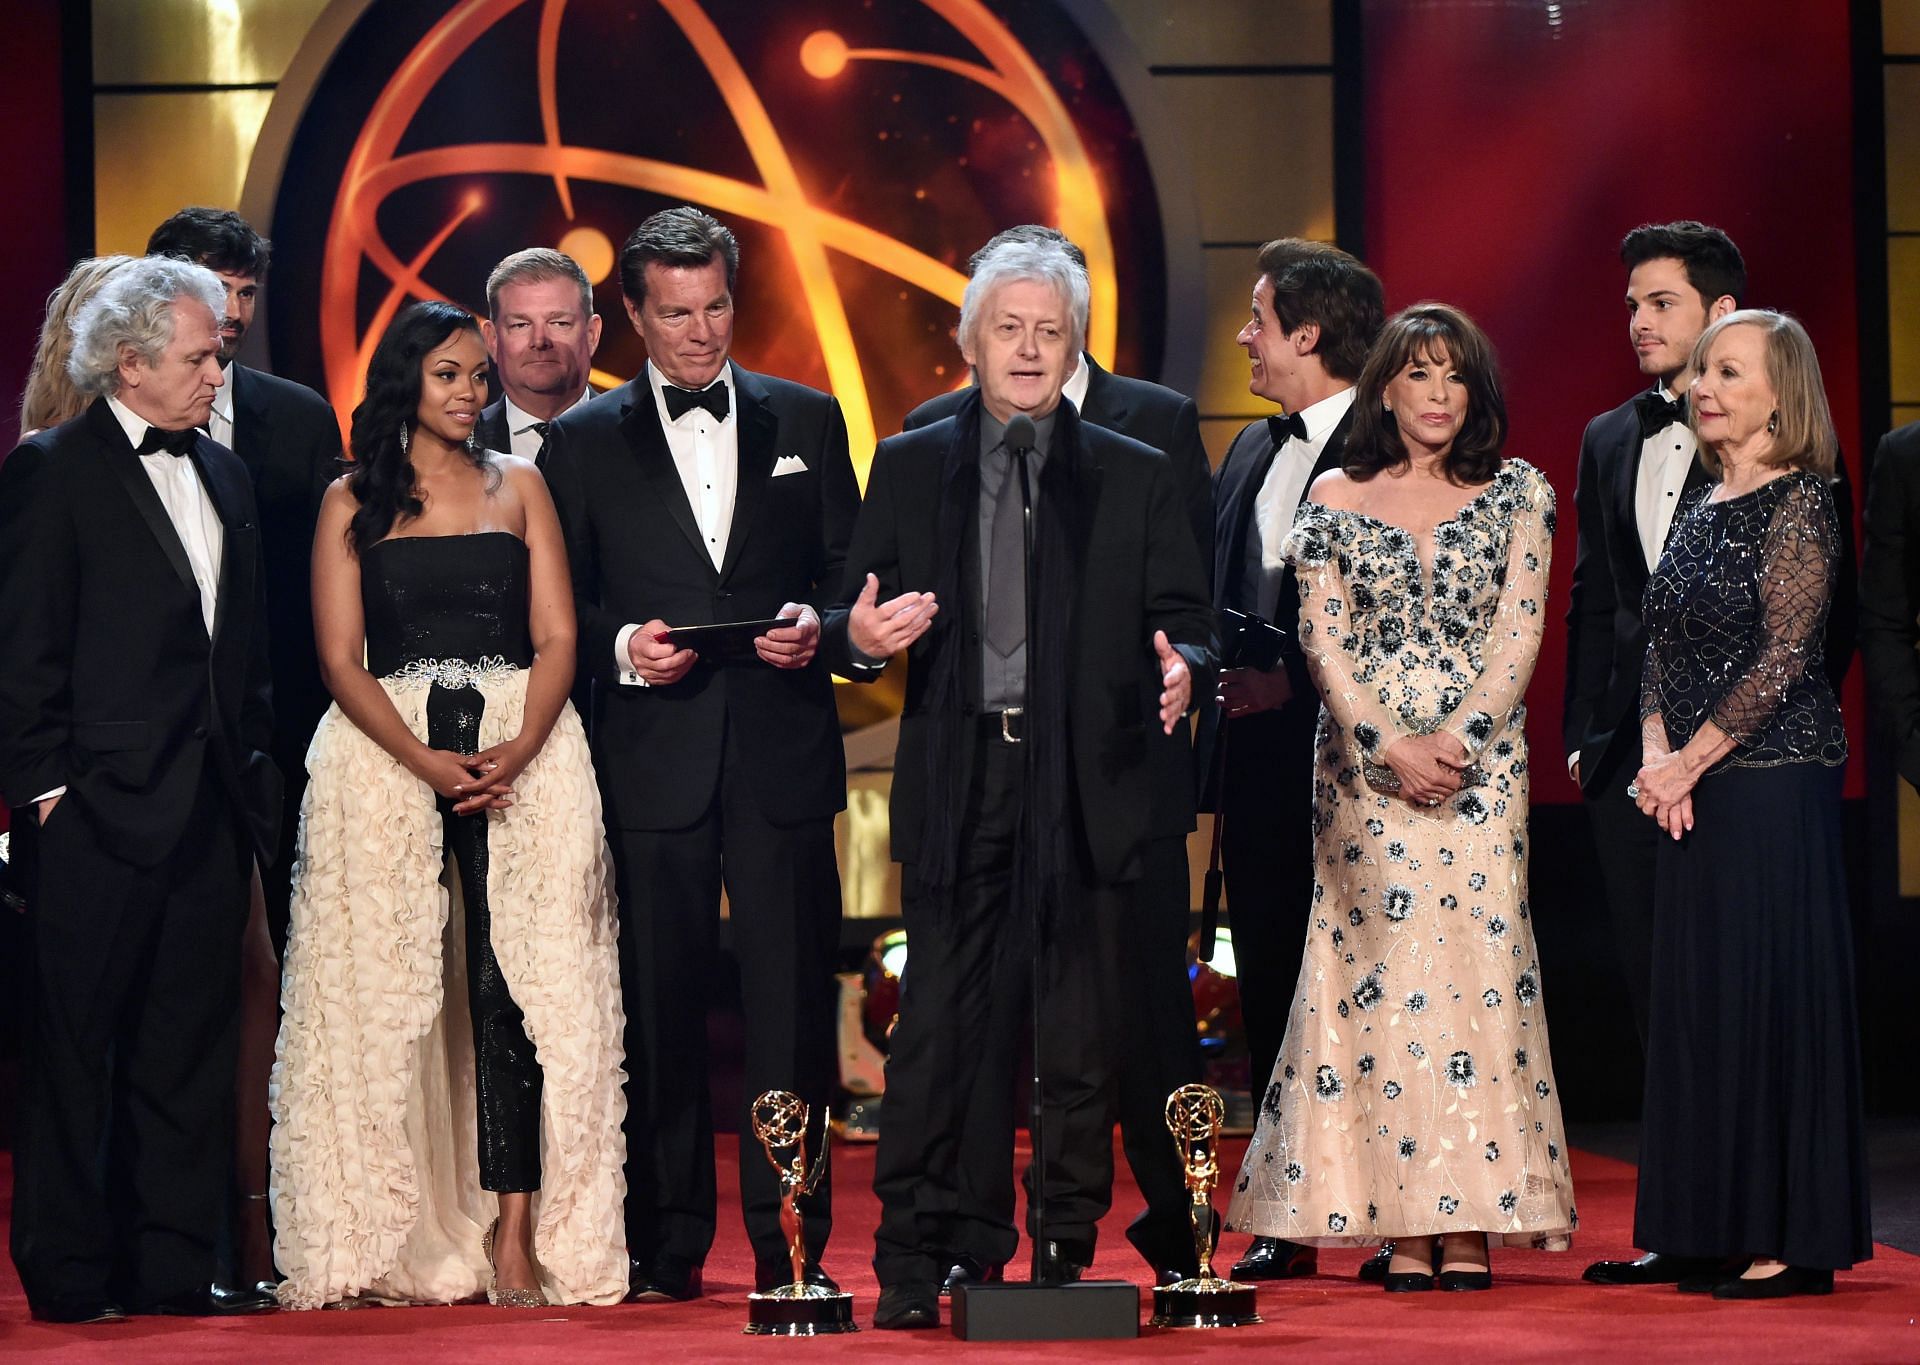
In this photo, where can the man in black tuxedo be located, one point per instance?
(135, 718)
(701, 493)
(1024, 771)
(1638, 463)
(1161, 1050)
(542, 332)
(1316, 310)
(289, 440)
(1890, 595)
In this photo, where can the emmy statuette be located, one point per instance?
(1194, 1113)
(798, 1309)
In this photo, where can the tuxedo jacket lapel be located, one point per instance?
(759, 439)
(230, 502)
(1106, 404)
(252, 424)
(125, 464)
(640, 425)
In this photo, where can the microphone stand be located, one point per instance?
(1036, 1113)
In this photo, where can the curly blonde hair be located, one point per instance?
(50, 397)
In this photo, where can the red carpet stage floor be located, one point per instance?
(1538, 1310)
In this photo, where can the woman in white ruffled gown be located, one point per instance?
(424, 1152)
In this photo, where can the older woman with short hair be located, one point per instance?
(1752, 1145)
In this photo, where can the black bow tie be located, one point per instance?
(173, 442)
(682, 401)
(1658, 412)
(1293, 424)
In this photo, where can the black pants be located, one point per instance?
(506, 1071)
(1627, 842)
(783, 897)
(944, 1168)
(1267, 855)
(122, 1159)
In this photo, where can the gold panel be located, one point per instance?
(194, 42)
(1229, 32)
(1900, 27)
(1903, 312)
(1903, 148)
(1904, 414)
(1217, 433)
(1281, 128)
(154, 154)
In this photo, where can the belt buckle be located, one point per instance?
(1006, 731)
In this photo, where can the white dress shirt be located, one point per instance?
(189, 508)
(1666, 457)
(220, 423)
(521, 436)
(1279, 498)
(1075, 389)
(707, 455)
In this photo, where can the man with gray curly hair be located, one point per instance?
(134, 725)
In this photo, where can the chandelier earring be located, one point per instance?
(406, 438)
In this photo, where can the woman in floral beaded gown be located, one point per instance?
(1414, 1098)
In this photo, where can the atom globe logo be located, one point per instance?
(861, 151)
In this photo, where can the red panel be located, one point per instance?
(1509, 147)
(35, 186)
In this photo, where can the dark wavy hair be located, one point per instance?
(1424, 331)
(1314, 282)
(1712, 262)
(383, 477)
(219, 239)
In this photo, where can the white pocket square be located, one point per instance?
(788, 464)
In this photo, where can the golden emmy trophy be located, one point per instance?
(1194, 1113)
(799, 1309)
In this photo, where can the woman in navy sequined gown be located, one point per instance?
(1752, 1137)
(449, 1061)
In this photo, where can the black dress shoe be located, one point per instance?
(967, 1270)
(668, 1280)
(767, 1278)
(215, 1301)
(906, 1307)
(1165, 1276)
(1374, 1269)
(1064, 1263)
(1274, 1258)
(1706, 1284)
(1464, 1279)
(1783, 1284)
(1653, 1268)
(1406, 1282)
(77, 1311)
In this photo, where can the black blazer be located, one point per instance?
(1890, 594)
(1138, 573)
(111, 686)
(1235, 485)
(491, 430)
(1606, 639)
(1151, 414)
(289, 440)
(636, 554)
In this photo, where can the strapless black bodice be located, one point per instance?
(445, 597)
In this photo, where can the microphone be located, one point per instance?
(1020, 433)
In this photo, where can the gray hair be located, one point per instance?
(1042, 262)
(135, 308)
(536, 265)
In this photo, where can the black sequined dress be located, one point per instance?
(1752, 1134)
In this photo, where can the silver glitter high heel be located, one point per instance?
(505, 1298)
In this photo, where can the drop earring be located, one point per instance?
(405, 438)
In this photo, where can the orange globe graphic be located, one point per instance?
(365, 278)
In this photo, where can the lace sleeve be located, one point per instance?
(1327, 637)
(1513, 636)
(1650, 682)
(1798, 561)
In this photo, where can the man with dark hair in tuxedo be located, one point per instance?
(1316, 310)
(135, 719)
(289, 441)
(1638, 463)
(1023, 779)
(700, 493)
(1161, 1051)
(542, 332)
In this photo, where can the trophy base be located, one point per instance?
(799, 1310)
(1204, 1303)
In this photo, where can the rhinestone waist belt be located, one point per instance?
(450, 673)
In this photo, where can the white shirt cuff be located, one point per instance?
(1573, 765)
(60, 790)
(623, 661)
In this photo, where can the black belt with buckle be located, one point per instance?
(1012, 723)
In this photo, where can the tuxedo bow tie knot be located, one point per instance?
(682, 401)
(1292, 424)
(173, 442)
(1658, 412)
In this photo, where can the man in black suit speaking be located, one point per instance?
(1023, 775)
(700, 493)
(135, 719)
